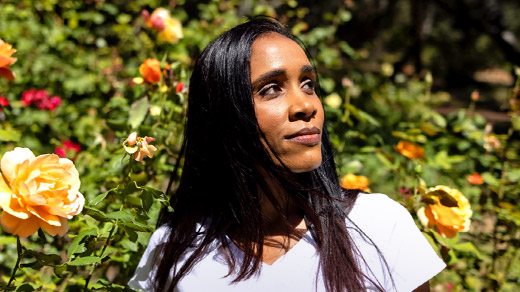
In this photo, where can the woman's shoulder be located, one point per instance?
(380, 217)
(377, 207)
(390, 227)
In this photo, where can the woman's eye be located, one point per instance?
(270, 90)
(309, 85)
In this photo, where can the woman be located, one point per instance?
(259, 206)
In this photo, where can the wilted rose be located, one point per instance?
(447, 209)
(151, 70)
(410, 150)
(38, 192)
(139, 147)
(6, 60)
(357, 182)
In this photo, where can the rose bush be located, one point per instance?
(89, 53)
(38, 192)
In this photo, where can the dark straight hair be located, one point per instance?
(225, 162)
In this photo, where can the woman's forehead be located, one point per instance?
(275, 52)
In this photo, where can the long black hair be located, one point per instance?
(225, 162)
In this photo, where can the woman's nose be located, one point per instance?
(301, 106)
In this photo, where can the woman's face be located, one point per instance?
(288, 110)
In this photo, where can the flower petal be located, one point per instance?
(17, 226)
(7, 74)
(56, 230)
(11, 159)
(11, 206)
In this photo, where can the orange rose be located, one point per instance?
(447, 209)
(38, 192)
(475, 179)
(6, 51)
(358, 182)
(410, 150)
(151, 70)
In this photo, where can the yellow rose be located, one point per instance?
(447, 209)
(172, 31)
(357, 182)
(38, 192)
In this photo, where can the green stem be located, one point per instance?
(101, 256)
(19, 258)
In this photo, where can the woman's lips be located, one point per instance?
(306, 136)
(307, 140)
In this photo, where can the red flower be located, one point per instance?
(60, 152)
(3, 102)
(72, 146)
(475, 179)
(69, 147)
(474, 95)
(40, 98)
(179, 87)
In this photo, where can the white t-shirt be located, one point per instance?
(410, 258)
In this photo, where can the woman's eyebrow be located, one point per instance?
(308, 69)
(266, 76)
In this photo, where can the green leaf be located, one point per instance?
(121, 215)
(45, 259)
(490, 179)
(74, 246)
(96, 214)
(467, 247)
(155, 192)
(99, 198)
(9, 135)
(146, 200)
(138, 111)
(26, 287)
(85, 261)
(137, 227)
(60, 270)
(131, 233)
(5, 240)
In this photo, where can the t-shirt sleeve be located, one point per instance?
(408, 254)
(143, 275)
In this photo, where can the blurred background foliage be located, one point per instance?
(390, 70)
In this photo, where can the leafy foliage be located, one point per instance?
(88, 53)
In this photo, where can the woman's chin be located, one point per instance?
(301, 168)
